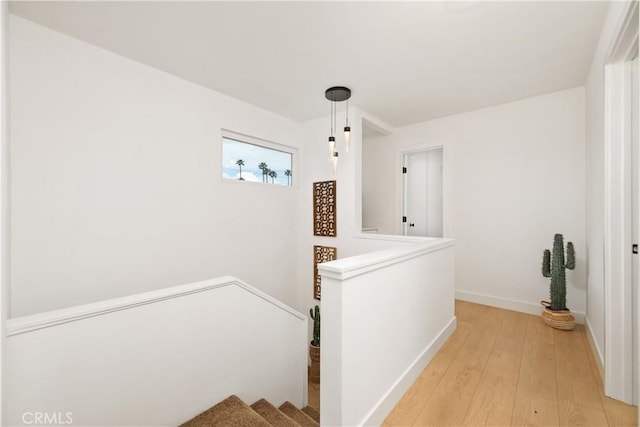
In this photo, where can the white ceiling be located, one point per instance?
(405, 62)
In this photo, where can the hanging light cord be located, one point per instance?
(333, 118)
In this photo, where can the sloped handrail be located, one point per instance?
(47, 319)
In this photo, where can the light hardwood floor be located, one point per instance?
(503, 368)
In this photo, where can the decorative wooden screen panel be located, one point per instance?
(321, 254)
(324, 208)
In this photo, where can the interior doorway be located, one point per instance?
(422, 212)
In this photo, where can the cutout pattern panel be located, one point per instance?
(321, 254)
(324, 208)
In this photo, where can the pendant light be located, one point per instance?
(334, 162)
(347, 129)
(338, 94)
(332, 146)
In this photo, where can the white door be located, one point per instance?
(422, 195)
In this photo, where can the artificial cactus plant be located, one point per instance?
(553, 266)
(316, 325)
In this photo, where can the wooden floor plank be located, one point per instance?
(579, 402)
(451, 398)
(492, 403)
(576, 414)
(616, 412)
(619, 413)
(536, 400)
(409, 407)
(595, 370)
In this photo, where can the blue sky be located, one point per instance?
(253, 155)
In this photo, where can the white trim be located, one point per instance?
(347, 268)
(623, 45)
(509, 304)
(618, 366)
(395, 238)
(595, 349)
(397, 390)
(617, 232)
(375, 124)
(34, 322)
(248, 139)
(5, 199)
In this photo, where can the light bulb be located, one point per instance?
(347, 137)
(332, 146)
(334, 162)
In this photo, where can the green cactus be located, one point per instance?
(316, 326)
(554, 267)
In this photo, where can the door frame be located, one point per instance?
(635, 227)
(619, 331)
(401, 154)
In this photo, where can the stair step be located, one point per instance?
(273, 415)
(297, 415)
(231, 412)
(312, 412)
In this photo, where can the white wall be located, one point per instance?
(116, 180)
(595, 177)
(379, 185)
(316, 167)
(514, 176)
(192, 346)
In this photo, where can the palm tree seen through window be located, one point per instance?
(245, 161)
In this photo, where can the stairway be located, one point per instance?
(233, 412)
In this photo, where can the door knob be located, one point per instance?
(411, 224)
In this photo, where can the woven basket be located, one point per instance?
(314, 372)
(558, 319)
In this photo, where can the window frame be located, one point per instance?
(263, 143)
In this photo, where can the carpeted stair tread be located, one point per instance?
(231, 412)
(273, 415)
(297, 415)
(312, 412)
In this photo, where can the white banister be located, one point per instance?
(384, 316)
(157, 358)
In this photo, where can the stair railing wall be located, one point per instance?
(155, 359)
(384, 317)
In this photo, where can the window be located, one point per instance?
(250, 159)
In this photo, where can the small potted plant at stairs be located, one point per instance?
(314, 346)
(555, 313)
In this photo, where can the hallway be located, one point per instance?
(502, 367)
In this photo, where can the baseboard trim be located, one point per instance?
(509, 304)
(595, 349)
(399, 388)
